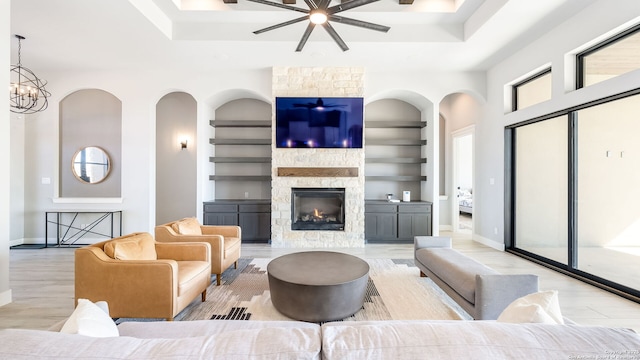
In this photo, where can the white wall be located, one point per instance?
(17, 179)
(465, 165)
(553, 48)
(5, 159)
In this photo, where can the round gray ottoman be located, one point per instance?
(318, 286)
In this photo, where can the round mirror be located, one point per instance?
(91, 165)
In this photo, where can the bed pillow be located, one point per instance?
(540, 307)
(89, 319)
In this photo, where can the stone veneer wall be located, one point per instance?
(317, 82)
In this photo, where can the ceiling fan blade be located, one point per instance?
(311, 4)
(323, 4)
(359, 23)
(283, 6)
(273, 27)
(332, 32)
(347, 5)
(305, 36)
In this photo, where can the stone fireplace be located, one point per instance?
(317, 82)
(317, 209)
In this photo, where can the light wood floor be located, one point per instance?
(42, 284)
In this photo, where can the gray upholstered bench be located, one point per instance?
(479, 290)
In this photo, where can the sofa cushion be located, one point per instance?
(271, 342)
(455, 269)
(189, 271)
(540, 307)
(90, 320)
(135, 247)
(476, 340)
(187, 226)
(231, 245)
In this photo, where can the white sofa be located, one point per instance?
(236, 339)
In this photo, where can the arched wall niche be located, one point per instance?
(393, 113)
(176, 167)
(90, 117)
(238, 110)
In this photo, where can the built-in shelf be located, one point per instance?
(396, 124)
(395, 142)
(241, 144)
(394, 152)
(399, 178)
(399, 160)
(240, 177)
(240, 123)
(240, 141)
(246, 159)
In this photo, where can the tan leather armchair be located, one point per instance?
(225, 241)
(141, 278)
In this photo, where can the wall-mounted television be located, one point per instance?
(312, 122)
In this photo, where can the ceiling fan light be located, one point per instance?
(318, 17)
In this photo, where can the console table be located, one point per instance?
(72, 225)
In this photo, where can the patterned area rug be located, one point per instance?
(395, 291)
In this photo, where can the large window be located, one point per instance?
(611, 58)
(531, 91)
(608, 191)
(573, 195)
(541, 188)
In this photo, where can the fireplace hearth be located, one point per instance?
(317, 209)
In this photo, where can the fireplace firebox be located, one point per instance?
(317, 209)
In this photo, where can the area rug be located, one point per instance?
(395, 291)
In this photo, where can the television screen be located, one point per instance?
(328, 122)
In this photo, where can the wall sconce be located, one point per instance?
(183, 144)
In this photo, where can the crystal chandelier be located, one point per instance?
(27, 94)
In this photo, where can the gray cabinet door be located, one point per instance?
(255, 226)
(410, 225)
(380, 226)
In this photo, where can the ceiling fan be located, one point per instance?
(320, 13)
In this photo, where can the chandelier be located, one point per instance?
(27, 94)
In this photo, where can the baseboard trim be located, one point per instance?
(16, 242)
(5, 297)
(488, 242)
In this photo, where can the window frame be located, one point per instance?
(514, 87)
(510, 165)
(580, 57)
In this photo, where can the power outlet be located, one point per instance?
(495, 230)
(246, 194)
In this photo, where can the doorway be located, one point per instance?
(463, 180)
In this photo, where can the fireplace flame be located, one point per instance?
(317, 213)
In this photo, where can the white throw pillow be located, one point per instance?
(90, 319)
(540, 307)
